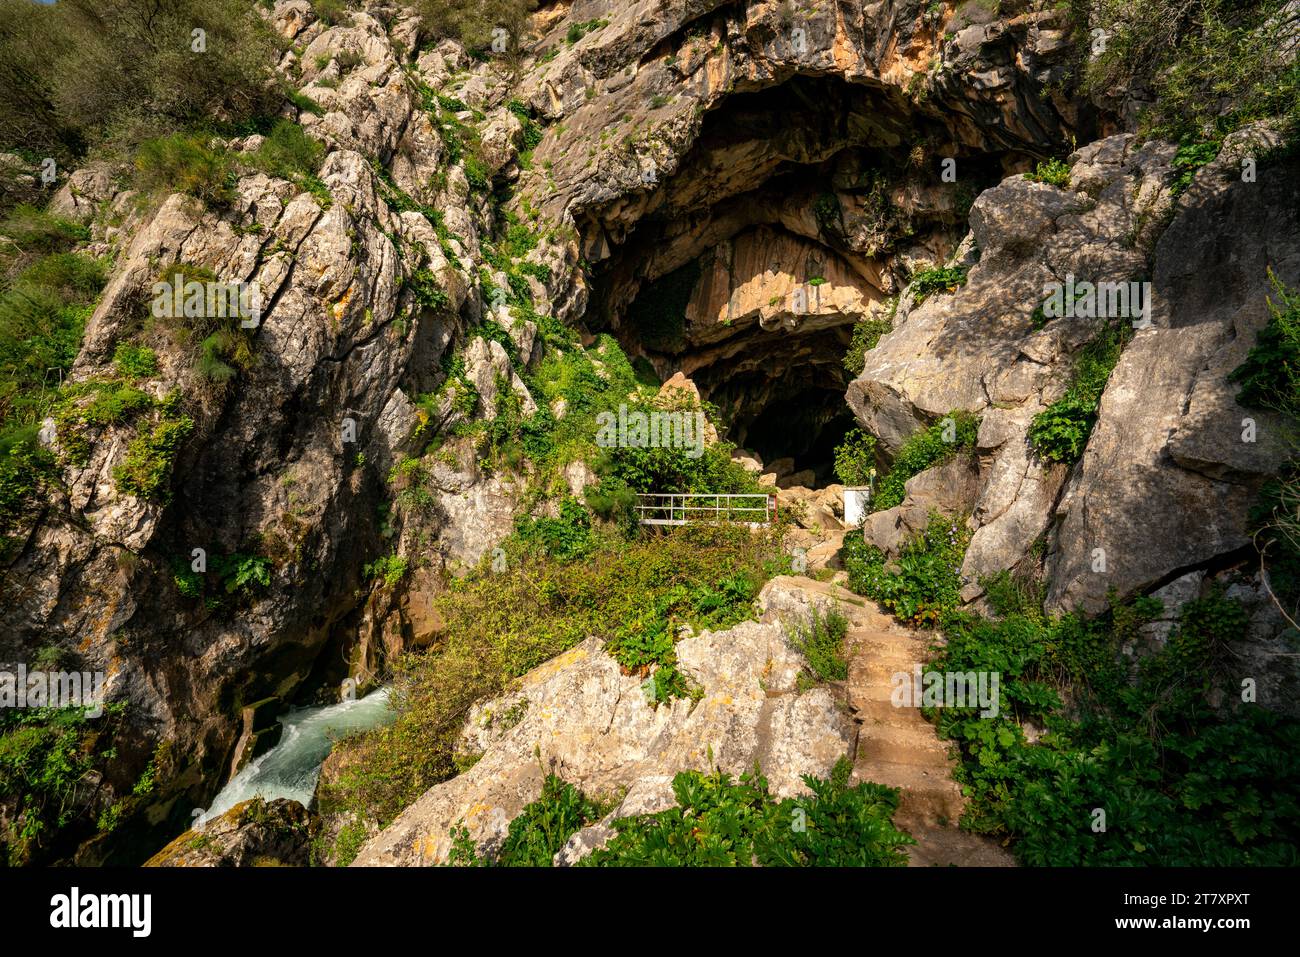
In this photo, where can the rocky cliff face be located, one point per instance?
(727, 188)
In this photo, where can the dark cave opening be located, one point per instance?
(806, 427)
(798, 212)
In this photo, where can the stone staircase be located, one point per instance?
(897, 746)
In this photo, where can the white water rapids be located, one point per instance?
(291, 768)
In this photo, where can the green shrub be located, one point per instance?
(566, 538)
(1054, 172)
(84, 77)
(855, 458)
(135, 363)
(924, 584)
(1193, 153)
(34, 231)
(47, 756)
(184, 163)
(579, 30)
(473, 23)
(502, 623)
(820, 639)
(1181, 784)
(1060, 432)
(1270, 375)
(146, 470)
(539, 832)
(1215, 64)
(866, 334)
(331, 12)
(390, 568)
(288, 152)
(922, 450)
(926, 282)
(718, 823)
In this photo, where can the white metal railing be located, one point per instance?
(678, 508)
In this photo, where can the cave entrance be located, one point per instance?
(806, 428)
(798, 213)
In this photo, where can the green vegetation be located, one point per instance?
(500, 624)
(866, 334)
(718, 823)
(185, 163)
(1193, 153)
(579, 30)
(1054, 172)
(1180, 784)
(538, 833)
(472, 23)
(1270, 374)
(926, 282)
(1213, 64)
(46, 759)
(1060, 432)
(135, 363)
(820, 639)
(146, 470)
(1270, 379)
(922, 450)
(855, 458)
(46, 296)
(924, 584)
(81, 76)
(391, 569)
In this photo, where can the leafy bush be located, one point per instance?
(46, 756)
(926, 282)
(288, 152)
(579, 30)
(146, 470)
(539, 832)
(1054, 172)
(135, 363)
(1212, 64)
(566, 538)
(1270, 374)
(922, 450)
(105, 76)
(855, 458)
(1060, 432)
(820, 639)
(390, 568)
(717, 823)
(1192, 154)
(924, 584)
(866, 334)
(1180, 784)
(184, 163)
(1270, 378)
(473, 23)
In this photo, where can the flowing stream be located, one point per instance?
(291, 768)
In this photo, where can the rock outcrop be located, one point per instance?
(580, 717)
